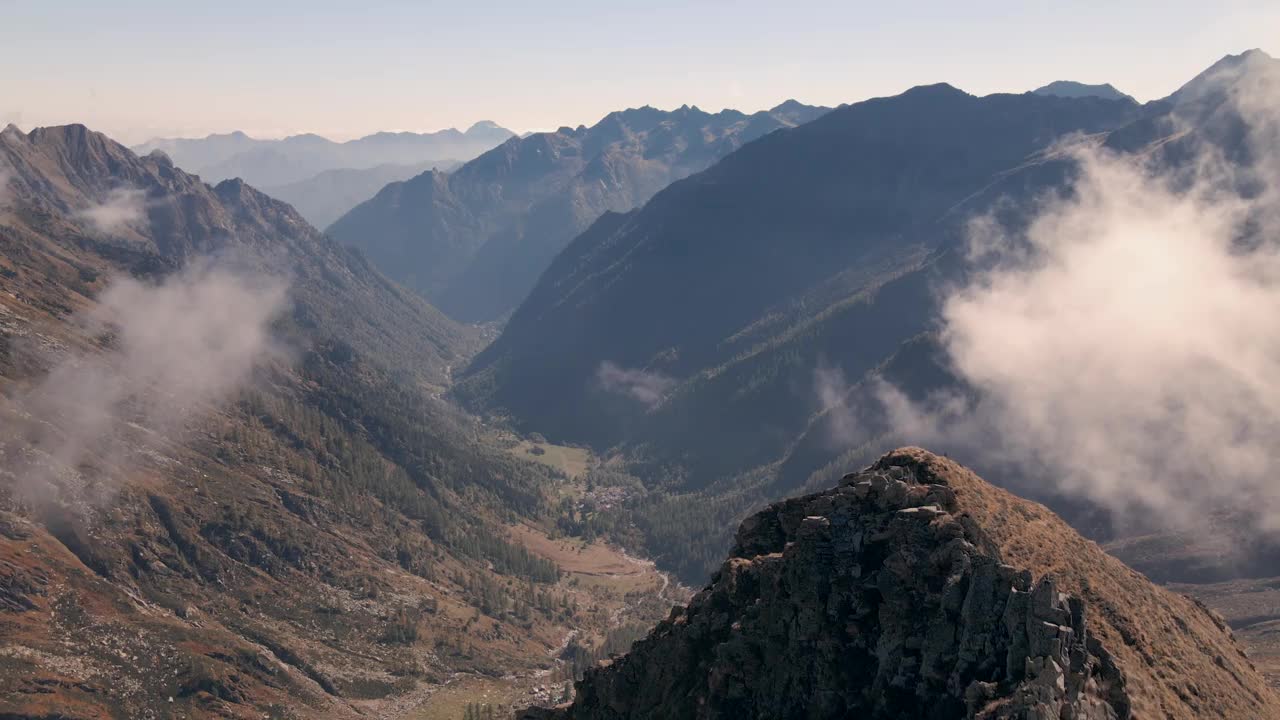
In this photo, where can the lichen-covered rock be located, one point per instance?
(886, 597)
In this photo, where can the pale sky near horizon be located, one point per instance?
(137, 69)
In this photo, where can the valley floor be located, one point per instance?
(624, 593)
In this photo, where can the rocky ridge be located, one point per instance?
(915, 589)
(475, 240)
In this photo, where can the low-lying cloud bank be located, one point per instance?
(1127, 342)
(171, 352)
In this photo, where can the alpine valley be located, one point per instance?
(612, 421)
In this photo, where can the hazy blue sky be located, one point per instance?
(139, 68)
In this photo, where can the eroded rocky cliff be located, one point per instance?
(916, 590)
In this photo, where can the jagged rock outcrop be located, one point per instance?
(916, 590)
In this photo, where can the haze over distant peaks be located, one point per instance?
(243, 474)
(264, 163)
(328, 195)
(1072, 89)
(476, 240)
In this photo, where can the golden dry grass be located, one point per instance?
(592, 566)
(450, 701)
(1252, 608)
(571, 461)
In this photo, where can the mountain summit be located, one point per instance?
(264, 163)
(916, 590)
(1221, 76)
(1071, 89)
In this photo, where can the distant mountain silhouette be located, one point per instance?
(327, 196)
(475, 240)
(267, 163)
(1071, 89)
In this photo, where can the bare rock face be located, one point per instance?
(882, 598)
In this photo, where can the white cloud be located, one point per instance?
(122, 208)
(173, 351)
(1127, 342)
(646, 387)
(6, 191)
(831, 393)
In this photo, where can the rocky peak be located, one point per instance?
(78, 145)
(161, 157)
(935, 90)
(484, 126)
(69, 168)
(687, 111)
(1072, 89)
(891, 596)
(788, 105)
(1215, 82)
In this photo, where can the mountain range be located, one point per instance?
(728, 288)
(269, 163)
(248, 469)
(729, 339)
(475, 240)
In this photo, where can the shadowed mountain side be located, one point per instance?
(476, 240)
(723, 267)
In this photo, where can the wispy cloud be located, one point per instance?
(832, 394)
(122, 207)
(172, 352)
(6, 190)
(645, 386)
